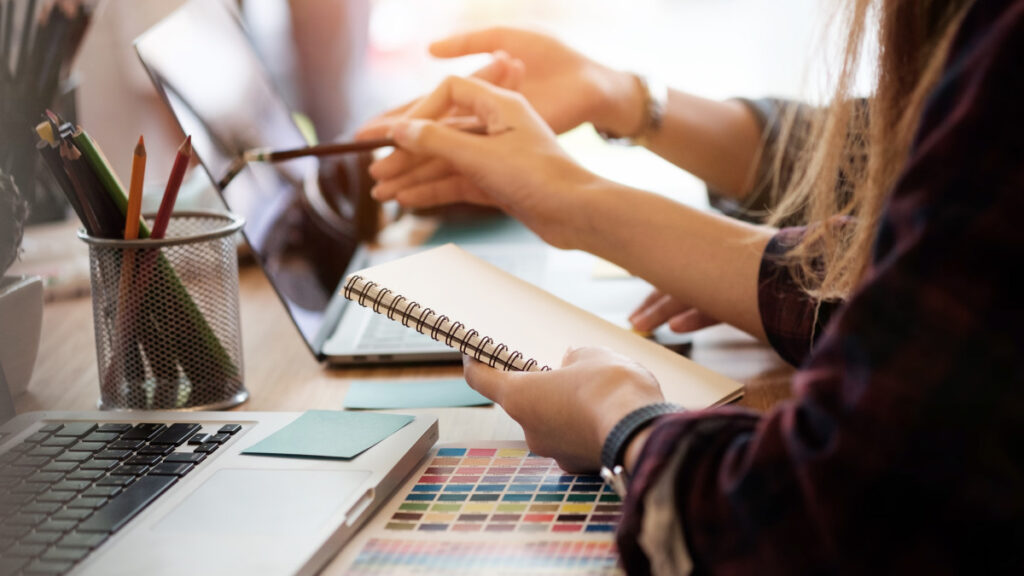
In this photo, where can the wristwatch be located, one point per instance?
(614, 450)
(655, 102)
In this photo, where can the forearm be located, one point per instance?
(706, 260)
(719, 142)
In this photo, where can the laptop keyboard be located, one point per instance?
(382, 333)
(68, 487)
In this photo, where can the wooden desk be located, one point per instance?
(282, 375)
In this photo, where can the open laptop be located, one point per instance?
(206, 68)
(130, 493)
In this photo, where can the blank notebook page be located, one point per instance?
(536, 323)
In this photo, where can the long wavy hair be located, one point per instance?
(849, 157)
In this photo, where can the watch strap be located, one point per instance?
(618, 439)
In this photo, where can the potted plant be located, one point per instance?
(21, 297)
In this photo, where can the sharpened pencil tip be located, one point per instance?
(140, 148)
(186, 146)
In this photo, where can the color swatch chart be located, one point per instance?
(424, 557)
(494, 508)
(504, 490)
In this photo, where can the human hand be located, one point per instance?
(503, 71)
(568, 413)
(565, 87)
(659, 308)
(518, 166)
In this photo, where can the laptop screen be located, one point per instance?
(206, 68)
(205, 65)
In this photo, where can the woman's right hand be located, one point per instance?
(518, 166)
(659, 308)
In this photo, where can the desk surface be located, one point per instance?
(282, 374)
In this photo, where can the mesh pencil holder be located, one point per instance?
(168, 335)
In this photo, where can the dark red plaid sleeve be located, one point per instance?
(901, 451)
(792, 320)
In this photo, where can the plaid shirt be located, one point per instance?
(903, 447)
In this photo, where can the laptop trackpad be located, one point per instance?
(265, 502)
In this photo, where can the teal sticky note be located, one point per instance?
(330, 434)
(391, 394)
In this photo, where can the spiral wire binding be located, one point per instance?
(438, 326)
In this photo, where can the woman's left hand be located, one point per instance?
(567, 413)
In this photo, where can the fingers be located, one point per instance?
(585, 354)
(476, 42)
(504, 71)
(491, 104)
(656, 314)
(395, 164)
(690, 321)
(653, 297)
(380, 126)
(491, 382)
(429, 171)
(514, 73)
(485, 101)
(449, 190)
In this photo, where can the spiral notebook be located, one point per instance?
(489, 314)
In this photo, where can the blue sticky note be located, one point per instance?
(330, 434)
(391, 394)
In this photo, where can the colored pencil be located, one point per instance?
(90, 190)
(131, 221)
(128, 310)
(268, 155)
(163, 215)
(111, 184)
(51, 156)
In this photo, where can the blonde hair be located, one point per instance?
(849, 156)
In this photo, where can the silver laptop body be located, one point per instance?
(231, 514)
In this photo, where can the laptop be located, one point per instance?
(130, 493)
(207, 70)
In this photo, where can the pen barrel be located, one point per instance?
(166, 316)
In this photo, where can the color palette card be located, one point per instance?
(489, 508)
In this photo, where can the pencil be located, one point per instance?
(51, 155)
(268, 155)
(131, 221)
(90, 192)
(127, 310)
(163, 215)
(100, 169)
